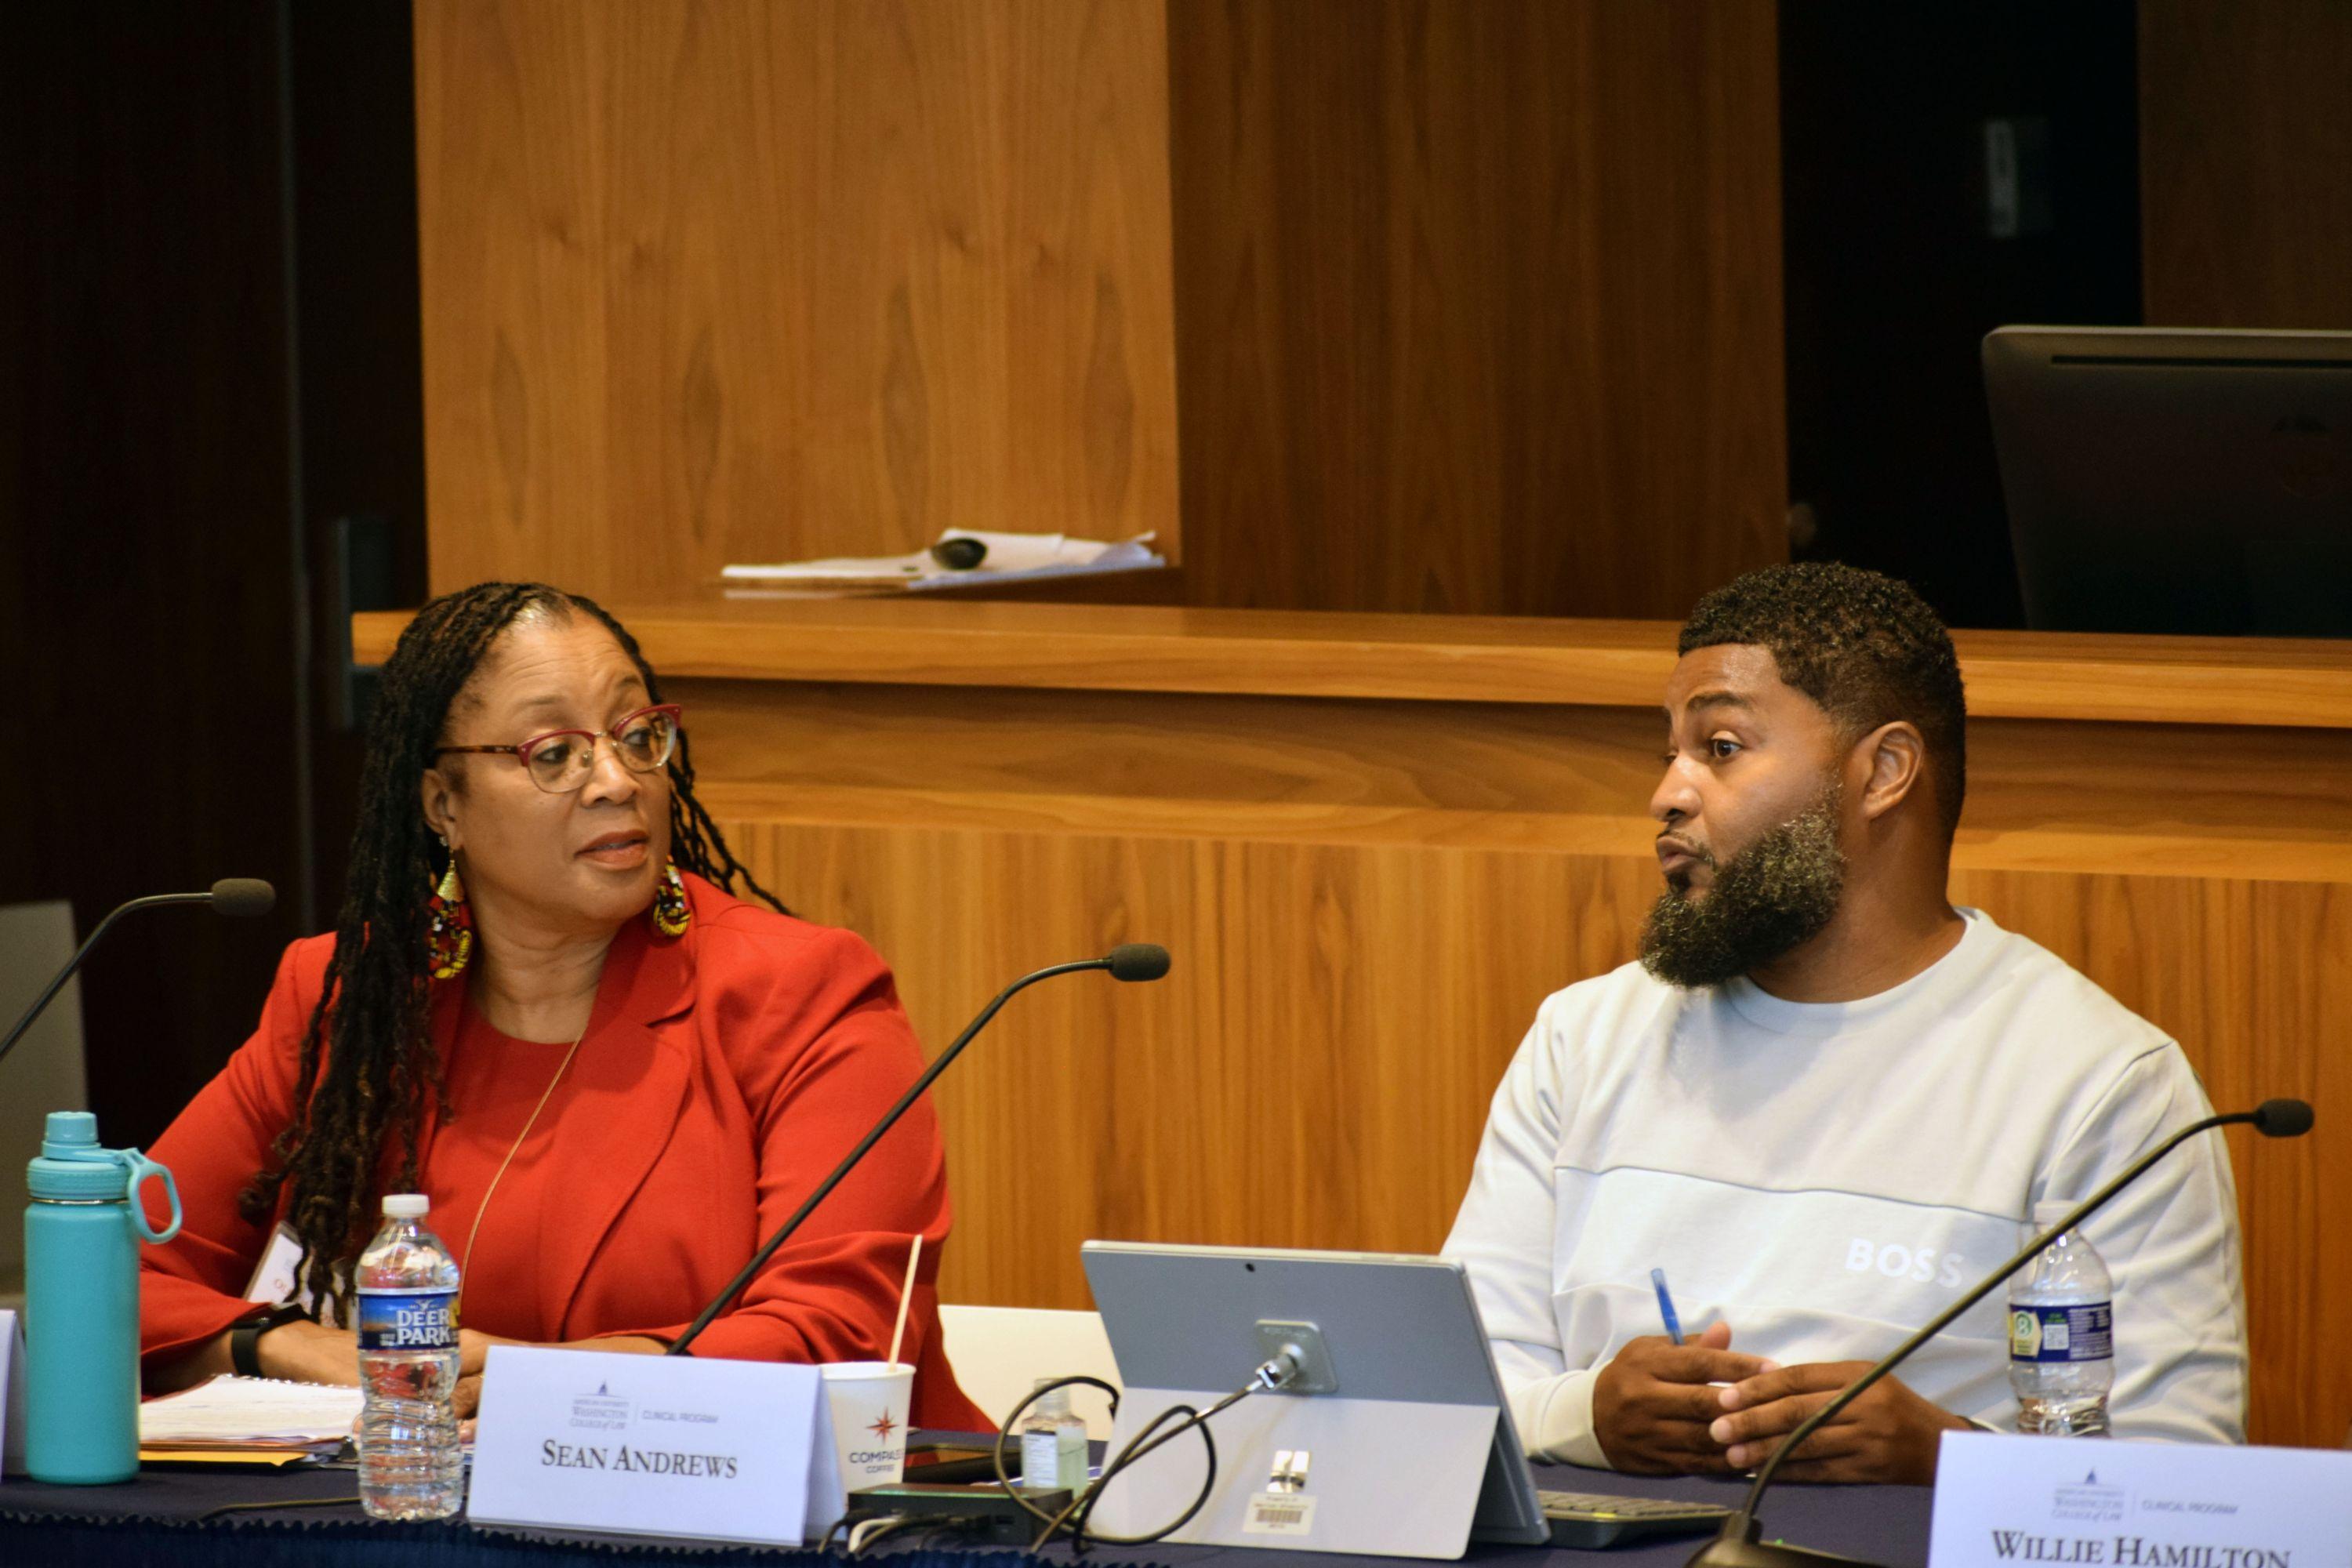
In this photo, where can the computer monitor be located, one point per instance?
(2168, 479)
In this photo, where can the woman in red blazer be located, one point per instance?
(610, 1078)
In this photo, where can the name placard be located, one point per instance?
(2018, 1501)
(643, 1445)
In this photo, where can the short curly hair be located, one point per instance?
(1866, 647)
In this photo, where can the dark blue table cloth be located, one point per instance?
(169, 1517)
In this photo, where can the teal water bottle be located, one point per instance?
(82, 1232)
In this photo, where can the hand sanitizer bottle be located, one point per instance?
(1053, 1445)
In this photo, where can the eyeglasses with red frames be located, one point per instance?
(560, 761)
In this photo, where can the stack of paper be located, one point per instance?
(247, 1418)
(1007, 557)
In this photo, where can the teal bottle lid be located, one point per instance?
(73, 1168)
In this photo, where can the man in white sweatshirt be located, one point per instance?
(1824, 1099)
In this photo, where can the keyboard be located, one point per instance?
(1593, 1519)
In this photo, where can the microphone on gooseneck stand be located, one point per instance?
(1130, 961)
(235, 895)
(1740, 1543)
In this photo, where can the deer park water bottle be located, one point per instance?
(2062, 1358)
(409, 1463)
(82, 1232)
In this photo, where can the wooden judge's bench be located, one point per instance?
(1375, 843)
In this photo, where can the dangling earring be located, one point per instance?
(671, 913)
(448, 924)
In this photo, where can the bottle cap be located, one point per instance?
(1053, 1401)
(74, 1169)
(405, 1206)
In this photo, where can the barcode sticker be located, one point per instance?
(1279, 1513)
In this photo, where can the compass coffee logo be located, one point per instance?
(877, 1460)
(2089, 1501)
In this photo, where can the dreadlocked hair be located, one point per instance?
(367, 1063)
(1866, 647)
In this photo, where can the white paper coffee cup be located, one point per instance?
(870, 1401)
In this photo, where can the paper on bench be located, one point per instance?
(1011, 556)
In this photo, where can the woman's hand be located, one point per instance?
(312, 1352)
(473, 1348)
(304, 1351)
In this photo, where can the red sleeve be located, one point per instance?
(192, 1288)
(822, 1049)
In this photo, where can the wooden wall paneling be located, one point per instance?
(2245, 135)
(2253, 978)
(1315, 1070)
(1367, 901)
(742, 281)
(916, 640)
(510, 224)
(1478, 307)
(2149, 799)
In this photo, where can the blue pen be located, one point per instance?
(1666, 1306)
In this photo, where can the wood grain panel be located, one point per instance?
(1369, 898)
(2234, 681)
(1369, 895)
(2254, 980)
(1478, 306)
(1316, 1070)
(741, 280)
(1281, 1089)
(2245, 129)
(2171, 800)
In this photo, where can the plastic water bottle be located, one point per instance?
(409, 1463)
(82, 1233)
(2062, 1358)
(1053, 1445)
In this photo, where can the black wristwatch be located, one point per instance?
(245, 1339)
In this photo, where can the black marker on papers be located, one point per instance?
(960, 554)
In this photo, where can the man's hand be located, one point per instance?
(1890, 1434)
(1652, 1405)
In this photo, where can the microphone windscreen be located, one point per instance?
(2283, 1118)
(1139, 960)
(238, 897)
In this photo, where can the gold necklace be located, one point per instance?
(466, 1262)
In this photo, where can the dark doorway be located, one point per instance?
(1947, 169)
(208, 359)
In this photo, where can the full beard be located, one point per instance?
(1764, 901)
